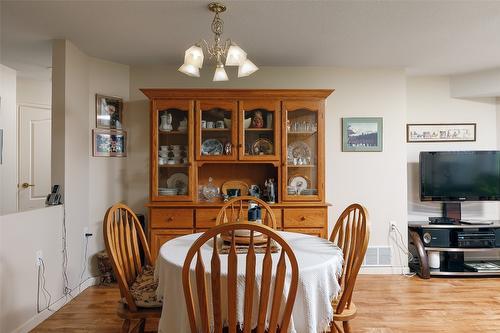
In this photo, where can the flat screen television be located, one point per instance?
(460, 176)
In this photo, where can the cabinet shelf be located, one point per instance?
(184, 165)
(301, 166)
(172, 132)
(259, 129)
(215, 129)
(462, 249)
(302, 133)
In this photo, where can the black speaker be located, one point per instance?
(435, 237)
(497, 237)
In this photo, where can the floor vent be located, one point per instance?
(378, 256)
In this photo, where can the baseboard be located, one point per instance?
(42, 316)
(393, 270)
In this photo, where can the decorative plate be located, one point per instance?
(262, 147)
(300, 182)
(178, 180)
(212, 147)
(298, 149)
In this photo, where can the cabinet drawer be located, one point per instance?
(308, 231)
(277, 215)
(205, 218)
(171, 218)
(304, 218)
(161, 236)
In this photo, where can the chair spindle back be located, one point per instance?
(351, 234)
(232, 276)
(123, 235)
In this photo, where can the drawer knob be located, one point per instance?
(303, 218)
(170, 219)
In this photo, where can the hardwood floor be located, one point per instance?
(386, 304)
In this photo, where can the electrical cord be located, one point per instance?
(45, 292)
(84, 263)
(402, 249)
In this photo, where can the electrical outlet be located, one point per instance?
(39, 257)
(393, 226)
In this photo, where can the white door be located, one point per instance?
(34, 155)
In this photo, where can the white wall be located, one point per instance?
(476, 84)
(429, 101)
(376, 180)
(33, 91)
(106, 174)
(90, 184)
(21, 235)
(8, 122)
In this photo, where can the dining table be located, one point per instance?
(320, 266)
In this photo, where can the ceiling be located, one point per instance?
(423, 37)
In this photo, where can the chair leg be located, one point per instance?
(126, 326)
(347, 327)
(140, 327)
(334, 328)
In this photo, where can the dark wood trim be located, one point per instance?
(160, 93)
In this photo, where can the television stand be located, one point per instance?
(452, 210)
(452, 242)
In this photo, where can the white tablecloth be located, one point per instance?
(320, 264)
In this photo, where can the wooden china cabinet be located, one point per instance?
(203, 138)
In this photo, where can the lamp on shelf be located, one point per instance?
(230, 51)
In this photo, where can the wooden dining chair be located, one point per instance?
(351, 234)
(123, 237)
(235, 211)
(263, 300)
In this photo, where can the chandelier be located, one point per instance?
(219, 51)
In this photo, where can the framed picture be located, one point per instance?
(109, 143)
(108, 112)
(440, 132)
(362, 134)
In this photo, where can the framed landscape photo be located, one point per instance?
(108, 112)
(362, 134)
(441, 132)
(109, 143)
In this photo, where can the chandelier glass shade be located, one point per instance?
(218, 51)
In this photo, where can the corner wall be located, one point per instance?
(375, 179)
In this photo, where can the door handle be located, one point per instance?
(26, 185)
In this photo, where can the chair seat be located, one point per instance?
(143, 289)
(347, 314)
(124, 312)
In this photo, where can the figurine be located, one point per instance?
(227, 148)
(257, 120)
(254, 191)
(166, 122)
(269, 184)
(182, 125)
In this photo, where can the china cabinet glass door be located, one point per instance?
(172, 150)
(259, 130)
(303, 169)
(216, 126)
